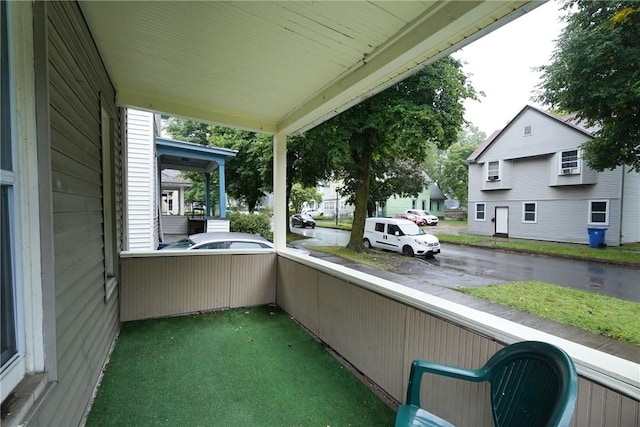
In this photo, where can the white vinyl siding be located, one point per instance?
(598, 212)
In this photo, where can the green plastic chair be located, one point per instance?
(532, 384)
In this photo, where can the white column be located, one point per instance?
(279, 190)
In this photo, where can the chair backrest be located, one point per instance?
(532, 384)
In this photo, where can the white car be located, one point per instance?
(431, 219)
(224, 240)
(399, 235)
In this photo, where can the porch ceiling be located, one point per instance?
(276, 66)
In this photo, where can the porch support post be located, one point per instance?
(222, 191)
(280, 220)
(207, 192)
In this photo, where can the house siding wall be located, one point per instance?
(631, 207)
(140, 180)
(396, 205)
(532, 176)
(78, 89)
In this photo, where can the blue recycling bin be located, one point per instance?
(596, 237)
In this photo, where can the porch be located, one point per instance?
(376, 325)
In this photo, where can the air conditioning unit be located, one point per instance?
(493, 178)
(567, 171)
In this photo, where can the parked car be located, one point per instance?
(225, 240)
(399, 235)
(418, 220)
(302, 220)
(429, 219)
(315, 212)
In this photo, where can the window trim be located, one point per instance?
(484, 211)
(535, 212)
(606, 213)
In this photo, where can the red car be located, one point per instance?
(419, 221)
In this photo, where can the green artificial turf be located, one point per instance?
(247, 367)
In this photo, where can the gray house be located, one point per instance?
(529, 181)
(69, 70)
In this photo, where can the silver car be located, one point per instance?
(225, 240)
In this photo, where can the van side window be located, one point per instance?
(380, 227)
(392, 228)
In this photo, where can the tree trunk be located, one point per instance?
(362, 194)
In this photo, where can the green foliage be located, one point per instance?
(403, 122)
(253, 223)
(454, 179)
(300, 194)
(595, 72)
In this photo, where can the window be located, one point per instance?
(424, 205)
(380, 227)
(493, 171)
(480, 211)
(528, 131)
(529, 212)
(414, 204)
(598, 212)
(569, 162)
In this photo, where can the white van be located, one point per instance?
(399, 235)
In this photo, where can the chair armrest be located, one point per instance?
(420, 367)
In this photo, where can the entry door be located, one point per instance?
(502, 222)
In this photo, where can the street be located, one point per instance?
(459, 266)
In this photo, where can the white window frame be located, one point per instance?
(108, 210)
(535, 212)
(491, 172)
(26, 256)
(484, 211)
(564, 169)
(606, 213)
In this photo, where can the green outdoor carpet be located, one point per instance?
(247, 367)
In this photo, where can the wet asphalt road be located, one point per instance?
(459, 267)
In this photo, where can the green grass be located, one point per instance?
(385, 261)
(592, 312)
(464, 239)
(247, 367)
(343, 224)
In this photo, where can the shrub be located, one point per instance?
(252, 223)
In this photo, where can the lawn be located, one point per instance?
(592, 312)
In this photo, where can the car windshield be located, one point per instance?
(411, 229)
(180, 244)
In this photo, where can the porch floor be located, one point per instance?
(246, 367)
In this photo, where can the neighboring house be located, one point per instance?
(173, 188)
(333, 201)
(529, 181)
(429, 199)
(156, 199)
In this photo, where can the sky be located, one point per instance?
(500, 65)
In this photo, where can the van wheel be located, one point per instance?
(366, 243)
(407, 250)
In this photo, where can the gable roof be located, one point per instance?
(567, 120)
(276, 66)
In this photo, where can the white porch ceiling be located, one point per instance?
(276, 66)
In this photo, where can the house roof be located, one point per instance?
(435, 192)
(169, 178)
(276, 66)
(568, 120)
(183, 155)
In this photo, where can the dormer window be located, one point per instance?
(493, 171)
(569, 162)
(528, 131)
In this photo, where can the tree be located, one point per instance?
(595, 72)
(300, 194)
(453, 170)
(400, 122)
